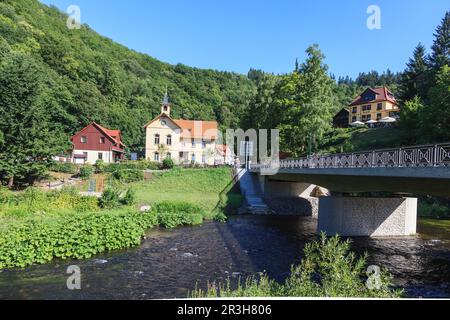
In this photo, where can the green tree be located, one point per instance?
(440, 51)
(262, 113)
(410, 121)
(435, 115)
(308, 101)
(414, 78)
(30, 138)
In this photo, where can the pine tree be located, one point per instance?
(413, 81)
(440, 51)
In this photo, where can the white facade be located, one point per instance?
(183, 141)
(92, 156)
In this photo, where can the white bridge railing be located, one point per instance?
(417, 156)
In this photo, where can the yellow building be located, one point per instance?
(183, 141)
(373, 104)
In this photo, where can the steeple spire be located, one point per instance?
(165, 105)
(166, 98)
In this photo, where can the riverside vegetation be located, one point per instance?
(328, 269)
(38, 226)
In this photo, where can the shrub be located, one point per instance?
(64, 167)
(128, 175)
(153, 165)
(171, 214)
(86, 172)
(168, 164)
(100, 166)
(130, 197)
(72, 237)
(110, 198)
(328, 269)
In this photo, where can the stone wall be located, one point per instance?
(375, 217)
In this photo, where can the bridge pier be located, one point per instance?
(373, 217)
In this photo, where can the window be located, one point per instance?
(193, 157)
(380, 106)
(163, 122)
(379, 116)
(369, 117)
(157, 139)
(169, 155)
(354, 118)
(203, 159)
(355, 109)
(83, 139)
(367, 108)
(169, 140)
(203, 144)
(165, 108)
(193, 142)
(156, 157)
(100, 156)
(364, 118)
(102, 140)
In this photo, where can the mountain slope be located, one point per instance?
(96, 79)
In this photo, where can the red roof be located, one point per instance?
(193, 128)
(114, 135)
(381, 94)
(198, 129)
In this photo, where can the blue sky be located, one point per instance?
(236, 35)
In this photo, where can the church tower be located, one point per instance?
(165, 105)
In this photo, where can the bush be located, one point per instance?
(110, 198)
(328, 269)
(130, 197)
(73, 237)
(168, 164)
(128, 175)
(171, 214)
(99, 166)
(86, 172)
(64, 167)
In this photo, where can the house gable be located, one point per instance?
(95, 137)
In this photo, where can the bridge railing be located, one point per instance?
(417, 156)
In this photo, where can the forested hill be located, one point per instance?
(91, 78)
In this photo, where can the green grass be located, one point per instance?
(441, 224)
(211, 189)
(361, 139)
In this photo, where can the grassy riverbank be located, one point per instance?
(328, 269)
(37, 226)
(211, 189)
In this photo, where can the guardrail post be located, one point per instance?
(436, 160)
(400, 157)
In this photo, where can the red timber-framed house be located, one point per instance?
(95, 142)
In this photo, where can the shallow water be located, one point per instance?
(170, 263)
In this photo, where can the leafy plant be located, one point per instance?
(86, 172)
(328, 269)
(128, 175)
(168, 164)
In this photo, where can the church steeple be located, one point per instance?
(165, 105)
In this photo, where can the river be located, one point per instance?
(170, 263)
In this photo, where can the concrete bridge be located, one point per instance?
(402, 173)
